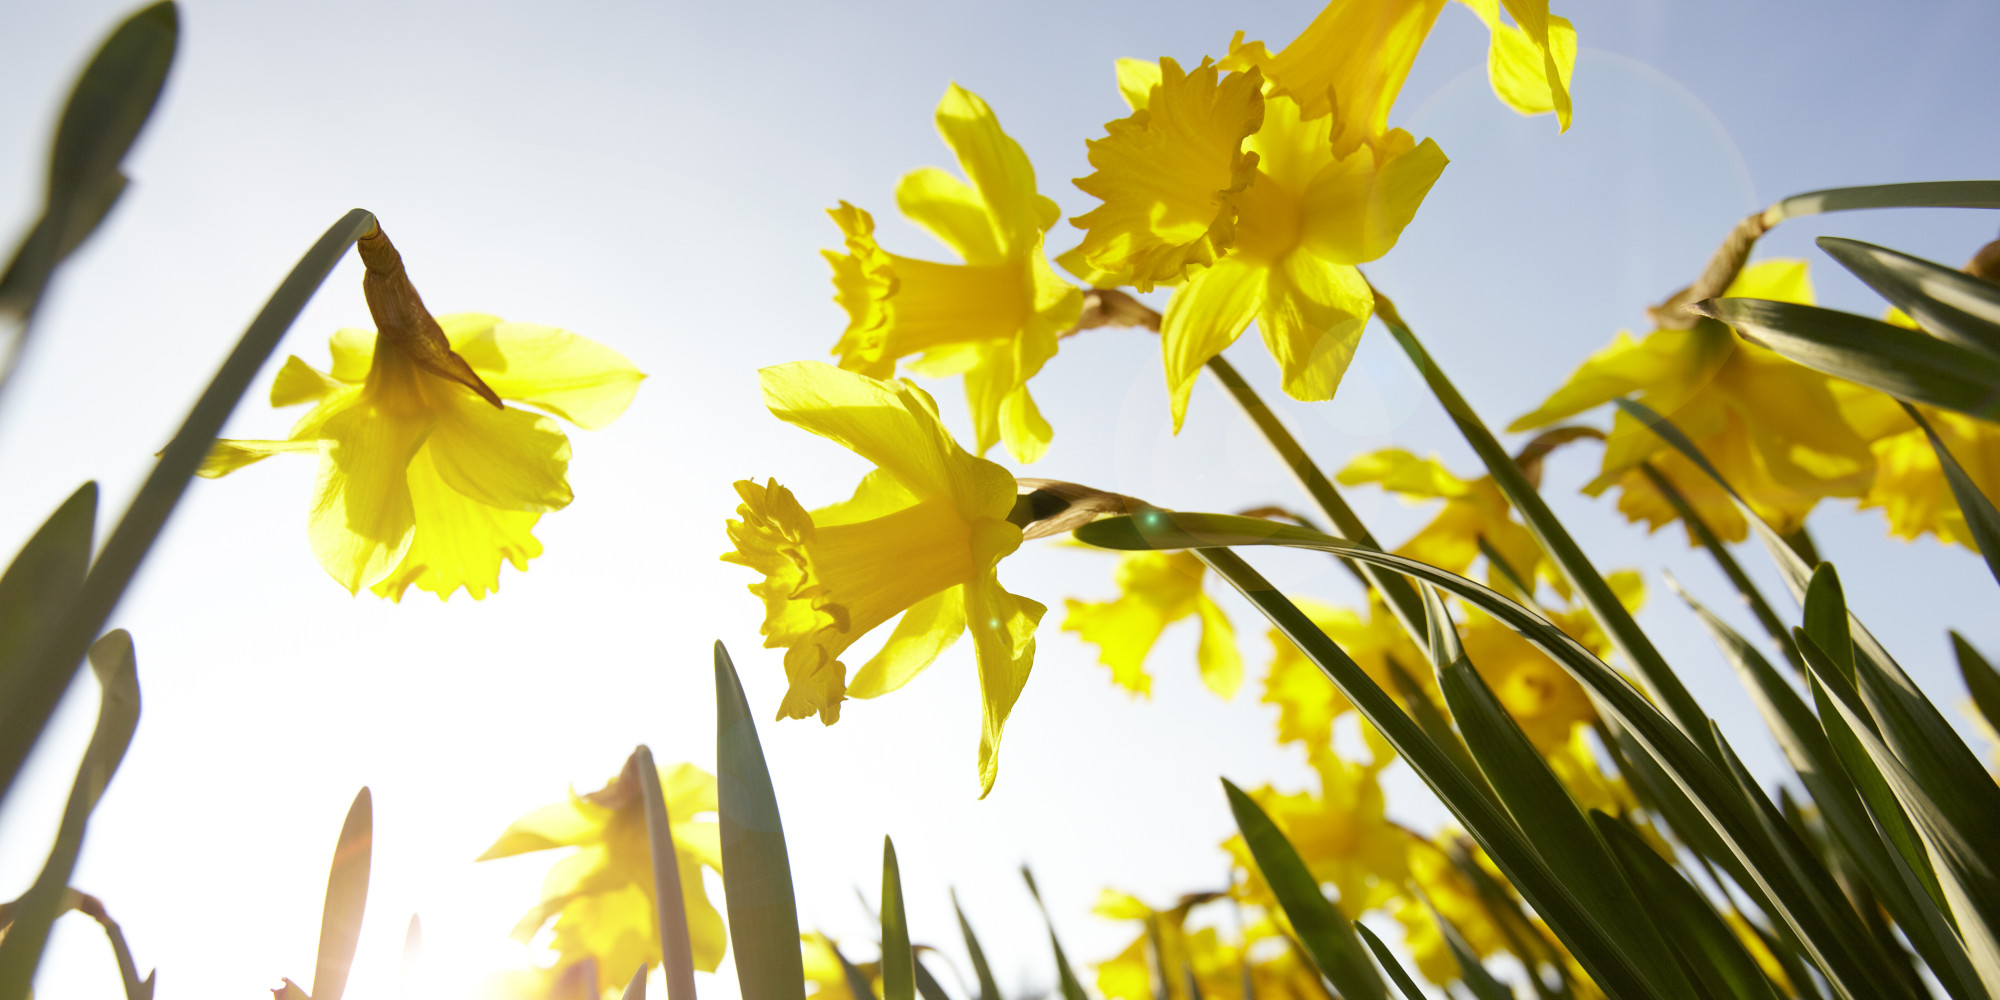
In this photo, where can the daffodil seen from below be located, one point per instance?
(427, 477)
(920, 537)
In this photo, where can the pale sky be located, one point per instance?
(654, 177)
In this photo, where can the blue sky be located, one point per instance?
(655, 177)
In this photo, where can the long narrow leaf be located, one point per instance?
(1980, 517)
(1066, 981)
(756, 875)
(36, 590)
(636, 989)
(1946, 303)
(1980, 680)
(898, 964)
(989, 989)
(677, 955)
(1919, 194)
(117, 716)
(1478, 981)
(1327, 935)
(25, 712)
(1389, 964)
(1712, 951)
(346, 899)
(1904, 363)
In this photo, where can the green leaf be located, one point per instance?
(1921, 194)
(1326, 934)
(927, 984)
(1705, 536)
(1948, 304)
(756, 876)
(24, 712)
(1803, 891)
(34, 593)
(105, 111)
(898, 964)
(1980, 517)
(1543, 809)
(1478, 981)
(988, 988)
(636, 989)
(857, 980)
(1980, 679)
(117, 717)
(1711, 950)
(1389, 964)
(1826, 619)
(1904, 363)
(677, 956)
(1066, 981)
(346, 899)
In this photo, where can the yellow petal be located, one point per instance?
(929, 628)
(1022, 427)
(949, 210)
(362, 519)
(575, 378)
(506, 458)
(1312, 319)
(559, 824)
(997, 168)
(1124, 631)
(1350, 62)
(298, 382)
(226, 456)
(1624, 367)
(863, 279)
(1003, 636)
(1206, 315)
(1401, 472)
(1221, 664)
(353, 353)
(1168, 176)
(1529, 62)
(1356, 207)
(459, 541)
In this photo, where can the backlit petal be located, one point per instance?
(1312, 319)
(996, 166)
(1350, 62)
(574, 378)
(1003, 637)
(929, 628)
(362, 518)
(1206, 315)
(506, 458)
(459, 541)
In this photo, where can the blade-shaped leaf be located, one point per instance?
(1904, 363)
(1947, 303)
(757, 877)
(1980, 517)
(346, 899)
(1389, 964)
(117, 717)
(636, 989)
(24, 713)
(898, 964)
(677, 955)
(927, 985)
(1980, 679)
(1919, 194)
(857, 980)
(1705, 537)
(1327, 935)
(34, 593)
(1712, 951)
(1478, 981)
(989, 989)
(1066, 981)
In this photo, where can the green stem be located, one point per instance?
(1706, 537)
(1665, 688)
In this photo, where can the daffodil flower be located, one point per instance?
(1350, 62)
(1474, 510)
(1218, 967)
(1457, 900)
(1307, 701)
(426, 476)
(994, 318)
(1254, 211)
(1342, 833)
(1774, 429)
(919, 538)
(1156, 589)
(601, 897)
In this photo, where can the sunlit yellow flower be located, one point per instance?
(1474, 509)
(425, 476)
(1351, 61)
(1307, 701)
(824, 973)
(1156, 589)
(920, 537)
(1542, 697)
(1909, 484)
(1216, 962)
(1253, 209)
(1774, 429)
(994, 318)
(601, 897)
(1342, 834)
(1457, 900)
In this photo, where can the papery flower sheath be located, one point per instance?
(426, 476)
(601, 896)
(1251, 208)
(1774, 429)
(919, 538)
(994, 318)
(1156, 589)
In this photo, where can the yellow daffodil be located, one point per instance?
(1254, 210)
(820, 960)
(426, 477)
(920, 537)
(1457, 900)
(1350, 62)
(1342, 834)
(1156, 589)
(1775, 430)
(1541, 696)
(1307, 701)
(1909, 484)
(601, 897)
(1166, 944)
(994, 318)
(1474, 510)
